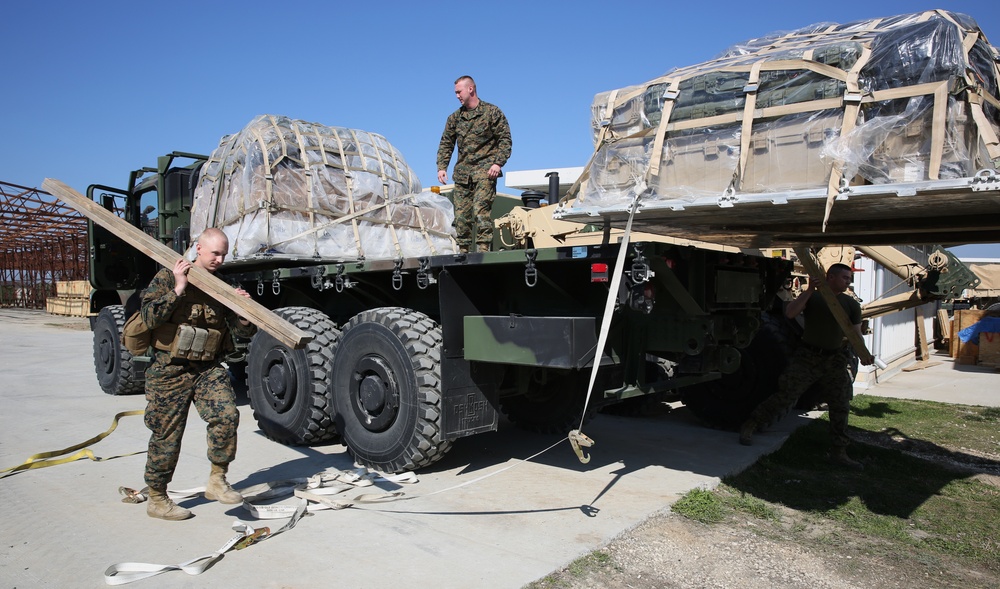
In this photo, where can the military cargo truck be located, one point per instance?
(409, 354)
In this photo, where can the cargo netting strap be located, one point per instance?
(746, 131)
(669, 94)
(349, 180)
(852, 108)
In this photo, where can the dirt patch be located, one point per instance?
(669, 551)
(795, 550)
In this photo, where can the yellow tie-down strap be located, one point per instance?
(44, 459)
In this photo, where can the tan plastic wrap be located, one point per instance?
(284, 186)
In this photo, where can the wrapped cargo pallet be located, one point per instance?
(908, 98)
(284, 186)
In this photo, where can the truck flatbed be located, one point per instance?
(964, 210)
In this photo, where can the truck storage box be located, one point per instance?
(284, 186)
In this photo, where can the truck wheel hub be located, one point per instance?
(104, 350)
(375, 393)
(280, 382)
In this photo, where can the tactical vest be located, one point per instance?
(195, 329)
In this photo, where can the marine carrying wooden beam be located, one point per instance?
(813, 268)
(260, 315)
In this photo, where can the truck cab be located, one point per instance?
(158, 201)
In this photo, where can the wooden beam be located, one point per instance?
(261, 316)
(923, 349)
(812, 267)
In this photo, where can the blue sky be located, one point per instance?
(98, 88)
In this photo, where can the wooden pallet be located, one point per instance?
(68, 306)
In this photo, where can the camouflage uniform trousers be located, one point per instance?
(806, 368)
(473, 203)
(170, 390)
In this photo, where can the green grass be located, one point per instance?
(700, 505)
(582, 567)
(908, 507)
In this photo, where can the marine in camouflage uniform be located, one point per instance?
(481, 132)
(173, 383)
(821, 359)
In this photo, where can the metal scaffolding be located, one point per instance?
(41, 241)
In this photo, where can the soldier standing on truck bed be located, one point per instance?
(190, 337)
(820, 358)
(482, 134)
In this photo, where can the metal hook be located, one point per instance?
(578, 439)
(397, 275)
(530, 272)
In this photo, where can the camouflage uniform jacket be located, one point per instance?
(483, 138)
(161, 305)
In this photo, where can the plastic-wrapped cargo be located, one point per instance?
(902, 99)
(285, 186)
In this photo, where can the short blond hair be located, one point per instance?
(213, 233)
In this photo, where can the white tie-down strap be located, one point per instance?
(318, 491)
(129, 572)
(577, 439)
(313, 493)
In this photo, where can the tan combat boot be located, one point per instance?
(839, 456)
(747, 431)
(163, 507)
(218, 489)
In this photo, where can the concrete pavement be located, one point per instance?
(63, 526)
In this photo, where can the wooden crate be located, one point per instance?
(964, 353)
(69, 306)
(72, 288)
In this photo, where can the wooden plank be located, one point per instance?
(812, 267)
(923, 350)
(261, 316)
(944, 324)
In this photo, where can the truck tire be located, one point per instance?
(727, 402)
(387, 389)
(289, 390)
(112, 362)
(553, 406)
